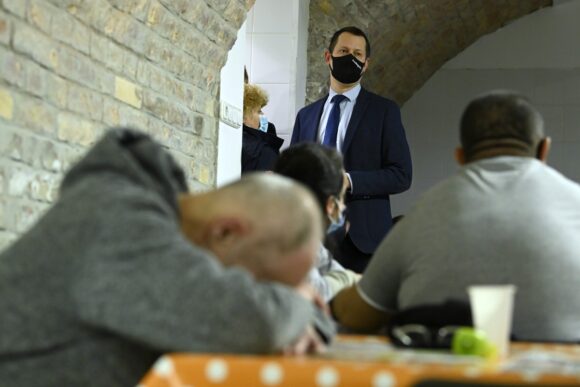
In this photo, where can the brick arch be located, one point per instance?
(410, 39)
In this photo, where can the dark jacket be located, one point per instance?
(260, 150)
(377, 157)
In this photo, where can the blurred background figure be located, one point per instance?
(320, 169)
(260, 144)
(505, 217)
(143, 267)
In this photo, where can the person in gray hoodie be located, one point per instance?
(127, 266)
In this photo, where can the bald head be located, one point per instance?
(286, 209)
(501, 123)
(264, 222)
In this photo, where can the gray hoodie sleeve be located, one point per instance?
(138, 277)
(146, 282)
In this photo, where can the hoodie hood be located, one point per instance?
(133, 155)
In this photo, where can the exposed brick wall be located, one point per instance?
(410, 39)
(69, 69)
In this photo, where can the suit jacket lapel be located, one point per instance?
(316, 115)
(362, 101)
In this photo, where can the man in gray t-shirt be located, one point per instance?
(504, 218)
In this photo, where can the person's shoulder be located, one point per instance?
(271, 129)
(558, 179)
(250, 134)
(433, 199)
(313, 105)
(379, 99)
(251, 141)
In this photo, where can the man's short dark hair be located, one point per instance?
(316, 166)
(351, 30)
(503, 121)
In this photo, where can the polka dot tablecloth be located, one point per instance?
(558, 364)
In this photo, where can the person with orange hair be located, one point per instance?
(260, 144)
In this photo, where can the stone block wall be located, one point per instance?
(410, 39)
(70, 69)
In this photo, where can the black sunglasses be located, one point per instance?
(422, 336)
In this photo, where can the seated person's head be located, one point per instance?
(255, 98)
(501, 123)
(263, 222)
(320, 169)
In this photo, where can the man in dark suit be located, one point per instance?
(367, 130)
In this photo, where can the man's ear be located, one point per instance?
(221, 233)
(460, 155)
(366, 65)
(330, 204)
(544, 149)
(327, 56)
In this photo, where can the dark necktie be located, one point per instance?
(331, 130)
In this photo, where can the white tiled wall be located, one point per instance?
(538, 55)
(275, 57)
(271, 57)
(231, 92)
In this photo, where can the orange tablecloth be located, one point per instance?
(367, 365)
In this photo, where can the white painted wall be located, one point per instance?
(538, 55)
(232, 92)
(276, 36)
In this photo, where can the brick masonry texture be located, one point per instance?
(410, 40)
(70, 69)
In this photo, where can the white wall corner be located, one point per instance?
(232, 93)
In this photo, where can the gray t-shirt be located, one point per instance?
(504, 220)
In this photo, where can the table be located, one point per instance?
(368, 361)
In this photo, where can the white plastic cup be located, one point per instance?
(492, 309)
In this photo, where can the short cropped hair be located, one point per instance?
(501, 119)
(351, 30)
(254, 98)
(317, 167)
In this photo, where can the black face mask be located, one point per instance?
(346, 69)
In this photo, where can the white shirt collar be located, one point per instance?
(351, 94)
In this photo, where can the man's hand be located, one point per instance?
(309, 342)
(347, 182)
(315, 336)
(307, 291)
